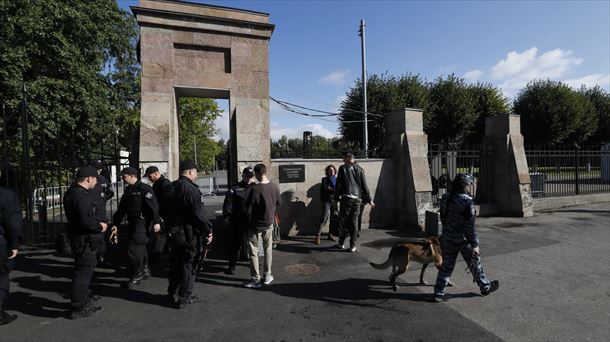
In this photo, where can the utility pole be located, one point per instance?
(365, 131)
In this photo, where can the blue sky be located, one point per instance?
(315, 49)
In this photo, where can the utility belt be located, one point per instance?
(79, 243)
(184, 234)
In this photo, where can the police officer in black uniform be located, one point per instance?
(142, 210)
(189, 235)
(86, 229)
(10, 237)
(164, 192)
(103, 190)
(236, 216)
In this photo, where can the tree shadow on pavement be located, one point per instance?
(352, 291)
(36, 306)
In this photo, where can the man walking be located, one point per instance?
(236, 216)
(142, 210)
(164, 192)
(263, 200)
(190, 235)
(85, 230)
(10, 237)
(460, 237)
(352, 191)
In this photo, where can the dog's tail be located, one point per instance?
(383, 266)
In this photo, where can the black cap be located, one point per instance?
(248, 172)
(187, 165)
(86, 171)
(150, 169)
(129, 171)
(96, 164)
(348, 155)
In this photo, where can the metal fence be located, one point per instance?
(447, 159)
(568, 170)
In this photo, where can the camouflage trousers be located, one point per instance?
(451, 249)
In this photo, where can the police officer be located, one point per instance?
(142, 210)
(189, 236)
(236, 216)
(103, 190)
(10, 237)
(460, 237)
(86, 229)
(164, 192)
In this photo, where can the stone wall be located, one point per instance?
(301, 210)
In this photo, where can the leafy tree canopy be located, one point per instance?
(196, 117)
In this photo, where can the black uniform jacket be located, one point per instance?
(189, 207)
(10, 218)
(138, 202)
(83, 211)
(164, 192)
(234, 206)
(103, 190)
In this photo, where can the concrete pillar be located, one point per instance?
(409, 145)
(509, 171)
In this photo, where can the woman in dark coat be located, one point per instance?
(329, 203)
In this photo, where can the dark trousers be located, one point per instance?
(237, 240)
(451, 249)
(156, 245)
(183, 261)
(350, 211)
(85, 259)
(136, 248)
(329, 212)
(5, 269)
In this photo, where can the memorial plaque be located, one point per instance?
(292, 173)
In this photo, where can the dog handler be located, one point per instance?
(460, 236)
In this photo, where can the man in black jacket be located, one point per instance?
(86, 229)
(140, 206)
(103, 191)
(164, 192)
(190, 235)
(352, 191)
(236, 216)
(10, 237)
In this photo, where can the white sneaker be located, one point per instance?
(268, 280)
(353, 249)
(252, 284)
(340, 246)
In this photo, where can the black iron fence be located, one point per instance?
(448, 159)
(568, 170)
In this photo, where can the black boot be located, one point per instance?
(135, 280)
(86, 311)
(146, 271)
(182, 302)
(5, 318)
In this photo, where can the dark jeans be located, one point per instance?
(350, 211)
(85, 259)
(451, 249)
(183, 262)
(329, 212)
(5, 269)
(136, 248)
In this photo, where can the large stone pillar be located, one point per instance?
(409, 145)
(511, 181)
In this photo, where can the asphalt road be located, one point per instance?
(553, 270)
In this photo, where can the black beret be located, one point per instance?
(150, 169)
(86, 171)
(187, 165)
(129, 171)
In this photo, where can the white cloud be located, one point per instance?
(473, 75)
(338, 100)
(589, 81)
(519, 68)
(337, 78)
(297, 132)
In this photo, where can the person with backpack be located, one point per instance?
(235, 215)
(460, 237)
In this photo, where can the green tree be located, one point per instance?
(196, 122)
(385, 94)
(553, 113)
(77, 60)
(488, 101)
(450, 114)
(601, 102)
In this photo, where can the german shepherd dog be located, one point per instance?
(423, 251)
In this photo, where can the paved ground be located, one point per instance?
(554, 272)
